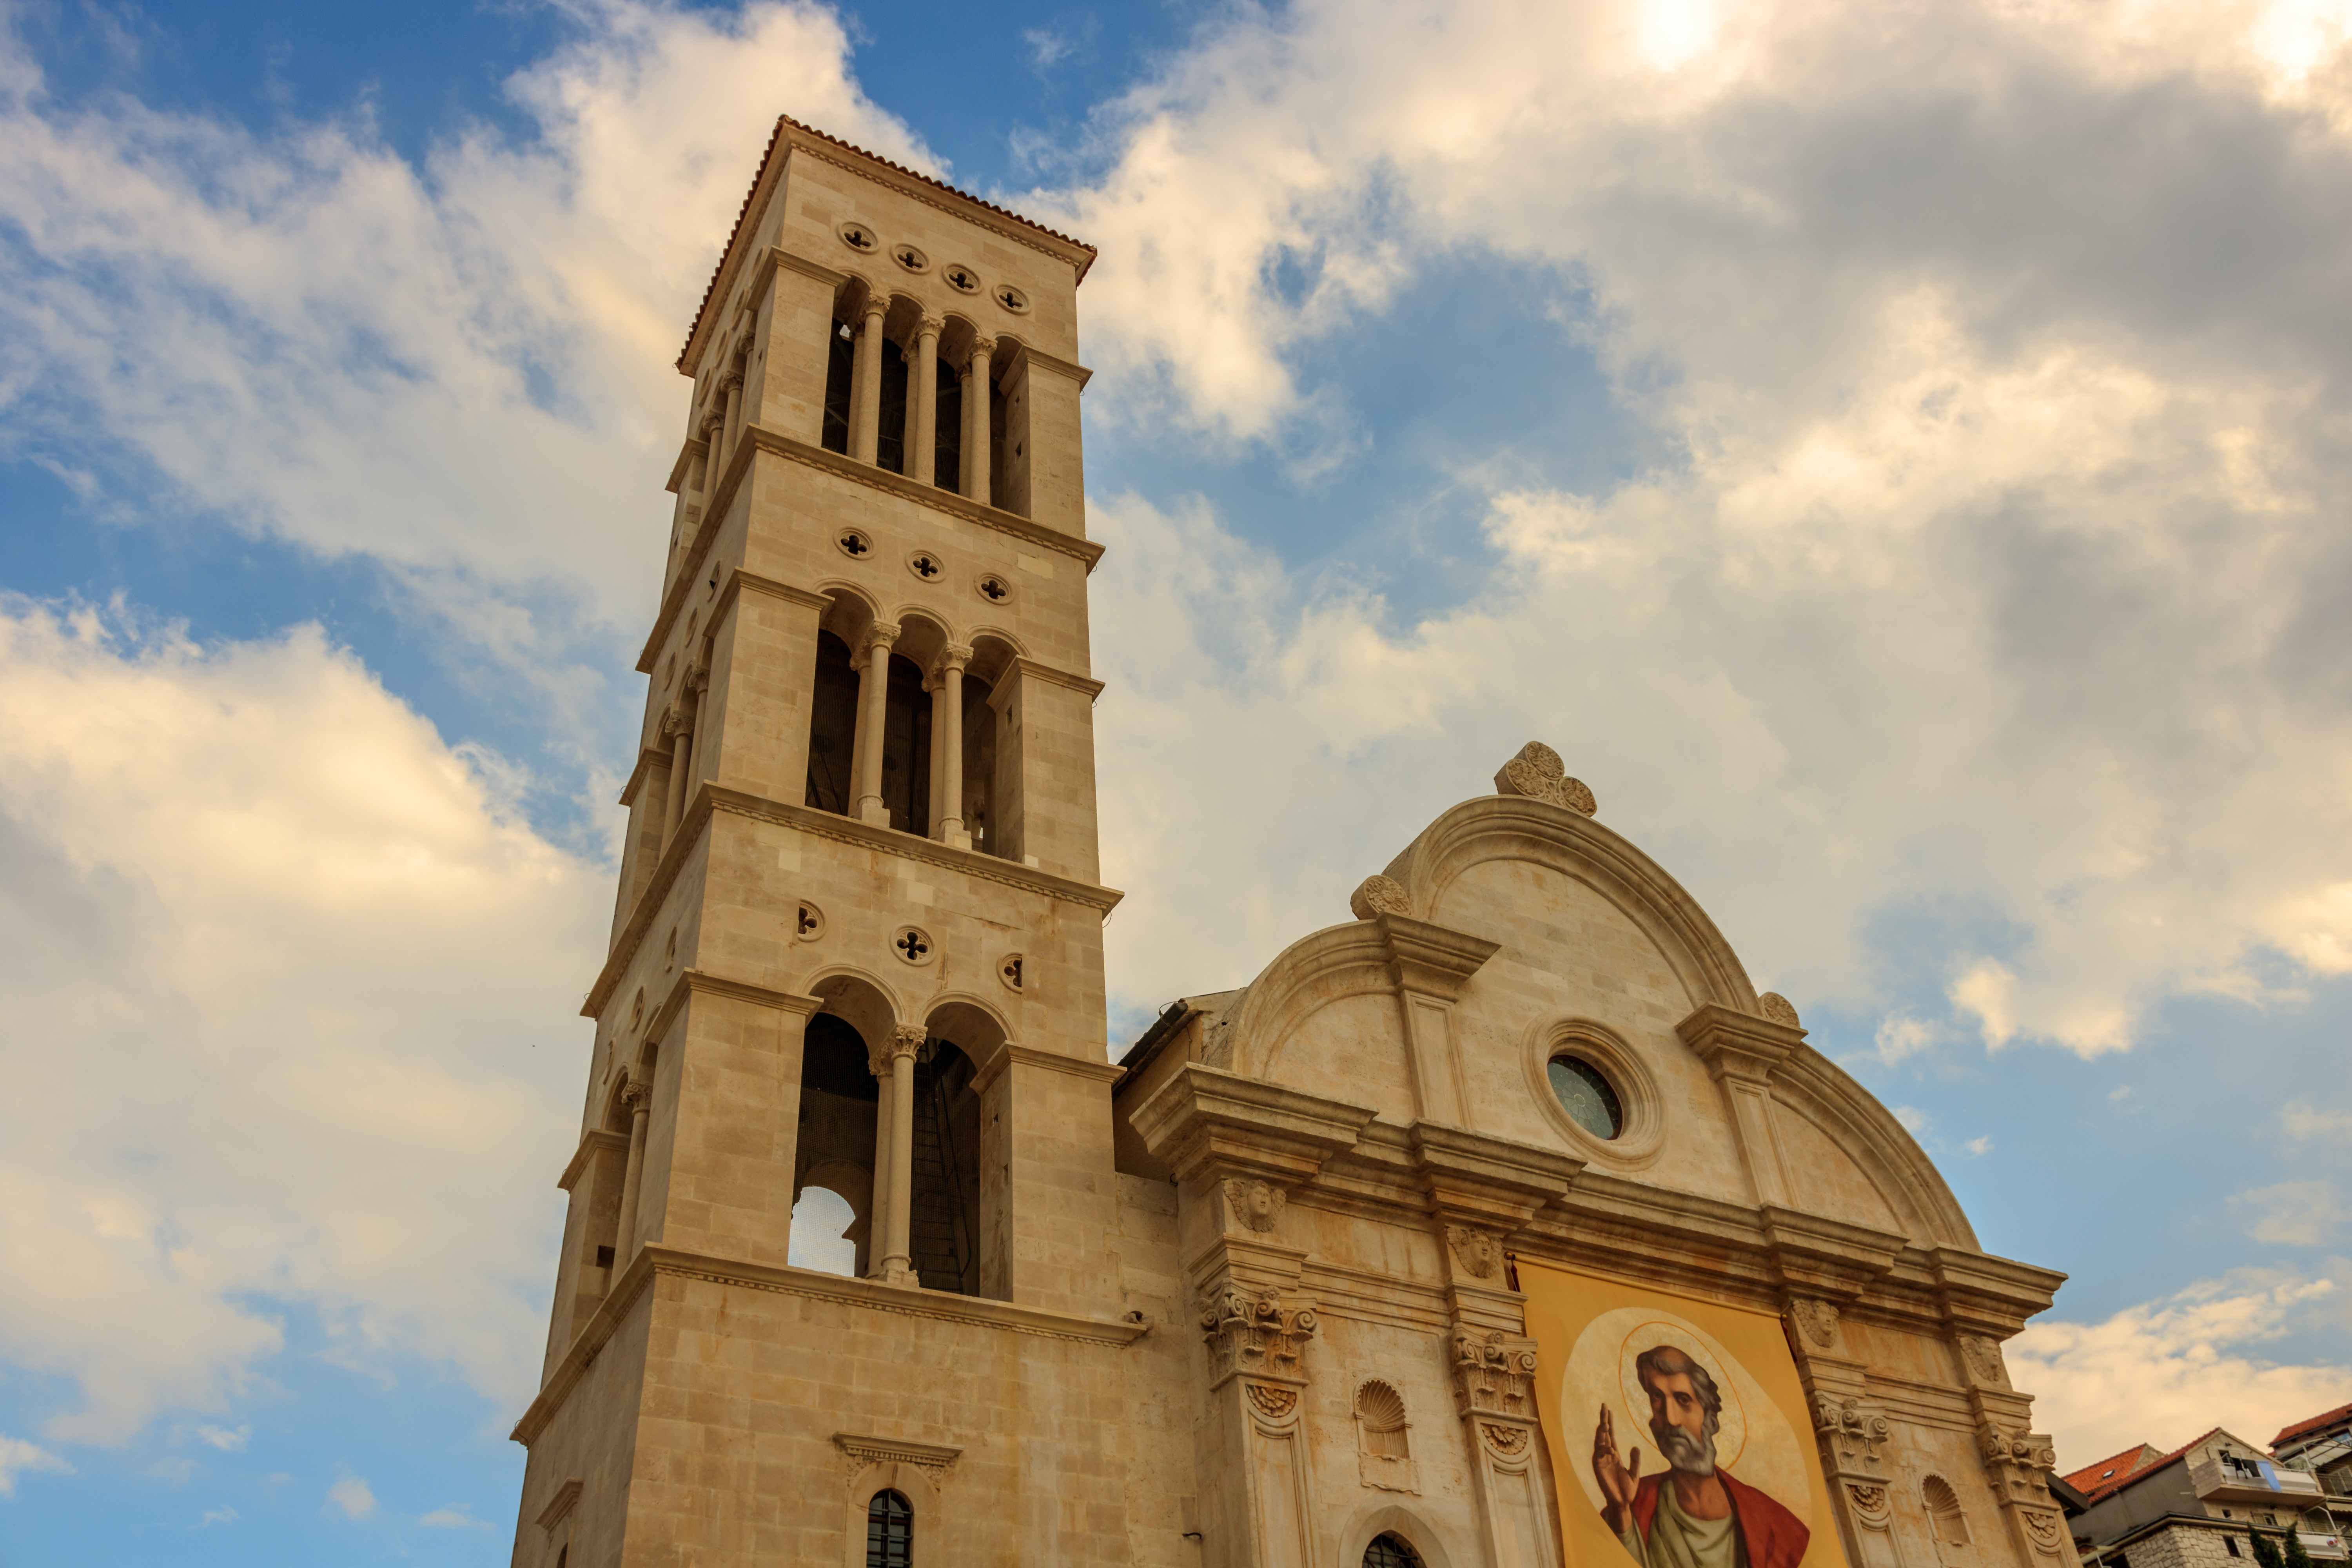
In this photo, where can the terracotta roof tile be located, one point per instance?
(743, 213)
(2324, 1419)
(2108, 1488)
(2115, 1466)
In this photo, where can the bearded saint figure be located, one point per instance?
(1694, 1513)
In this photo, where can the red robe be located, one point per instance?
(1773, 1537)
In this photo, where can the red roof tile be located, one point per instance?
(2103, 1490)
(2115, 1466)
(743, 213)
(2324, 1419)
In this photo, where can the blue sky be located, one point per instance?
(1897, 461)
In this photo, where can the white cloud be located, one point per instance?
(2295, 1214)
(226, 1440)
(454, 1516)
(1900, 1036)
(212, 1516)
(1996, 561)
(1978, 1145)
(2163, 1372)
(18, 1457)
(460, 370)
(2303, 1121)
(1915, 1120)
(352, 1495)
(278, 959)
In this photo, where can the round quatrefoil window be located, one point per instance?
(961, 279)
(809, 923)
(854, 543)
(1011, 298)
(1009, 971)
(913, 945)
(1585, 1092)
(1599, 1091)
(858, 237)
(924, 564)
(908, 257)
(993, 588)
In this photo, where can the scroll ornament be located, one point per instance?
(1539, 773)
(1258, 1334)
(1491, 1373)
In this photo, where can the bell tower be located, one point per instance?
(856, 946)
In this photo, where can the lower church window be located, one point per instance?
(1387, 1552)
(890, 1533)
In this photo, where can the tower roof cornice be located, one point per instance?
(790, 135)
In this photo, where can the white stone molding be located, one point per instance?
(560, 1505)
(933, 1460)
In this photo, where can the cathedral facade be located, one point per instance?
(1501, 1224)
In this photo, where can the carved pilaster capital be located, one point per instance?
(1263, 1335)
(637, 1095)
(1492, 1373)
(1853, 1434)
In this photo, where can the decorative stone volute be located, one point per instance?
(1491, 1372)
(1855, 1434)
(1261, 1335)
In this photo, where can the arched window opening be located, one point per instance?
(890, 448)
(889, 1531)
(835, 1146)
(1388, 1551)
(822, 1222)
(947, 446)
(943, 1217)
(905, 747)
(978, 761)
(833, 728)
(840, 365)
(1944, 1511)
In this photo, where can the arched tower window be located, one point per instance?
(1944, 1511)
(840, 362)
(1388, 1551)
(943, 1216)
(906, 747)
(835, 1147)
(890, 1533)
(833, 728)
(890, 448)
(946, 445)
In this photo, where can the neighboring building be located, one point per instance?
(1287, 1286)
(2193, 1506)
(2322, 1445)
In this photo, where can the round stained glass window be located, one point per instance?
(1585, 1096)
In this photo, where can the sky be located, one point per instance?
(1895, 452)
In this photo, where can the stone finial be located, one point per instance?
(1778, 1008)
(1378, 896)
(1539, 773)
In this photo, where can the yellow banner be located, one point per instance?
(1679, 1432)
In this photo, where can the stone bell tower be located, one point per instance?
(857, 940)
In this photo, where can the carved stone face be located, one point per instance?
(1257, 1205)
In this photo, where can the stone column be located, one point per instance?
(947, 744)
(933, 683)
(897, 1266)
(731, 431)
(879, 1060)
(865, 383)
(974, 458)
(639, 1097)
(873, 705)
(923, 402)
(679, 725)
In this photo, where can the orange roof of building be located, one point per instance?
(2099, 1490)
(2324, 1419)
(743, 213)
(2115, 1466)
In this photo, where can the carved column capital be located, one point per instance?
(1261, 1335)
(637, 1095)
(878, 304)
(1853, 1434)
(908, 1040)
(1492, 1373)
(955, 656)
(927, 325)
(976, 359)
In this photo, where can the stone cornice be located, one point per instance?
(589, 1142)
(1493, 1181)
(713, 798)
(1740, 1047)
(759, 438)
(773, 257)
(694, 446)
(693, 981)
(648, 759)
(1086, 686)
(896, 1451)
(560, 1504)
(653, 1261)
(1052, 1061)
(1076, 373)
(1989, 1295)
(1432, 959)
(1205, 1123)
